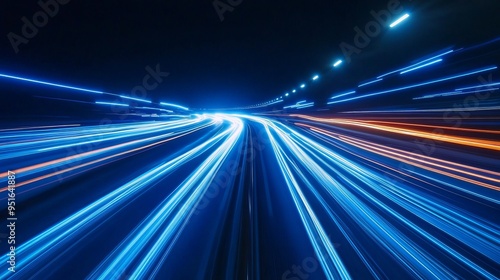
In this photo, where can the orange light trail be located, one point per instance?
(466, 141)
(417, 160)
(29, 168)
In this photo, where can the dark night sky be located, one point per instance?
(260, 50)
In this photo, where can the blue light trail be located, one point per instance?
(111, 103)
(49, 84)
(331, 190)
(399, 20)
(174, 105)
(370, 82)
(136, 99)
(481, 70)
(416, 64)
(421, 66)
